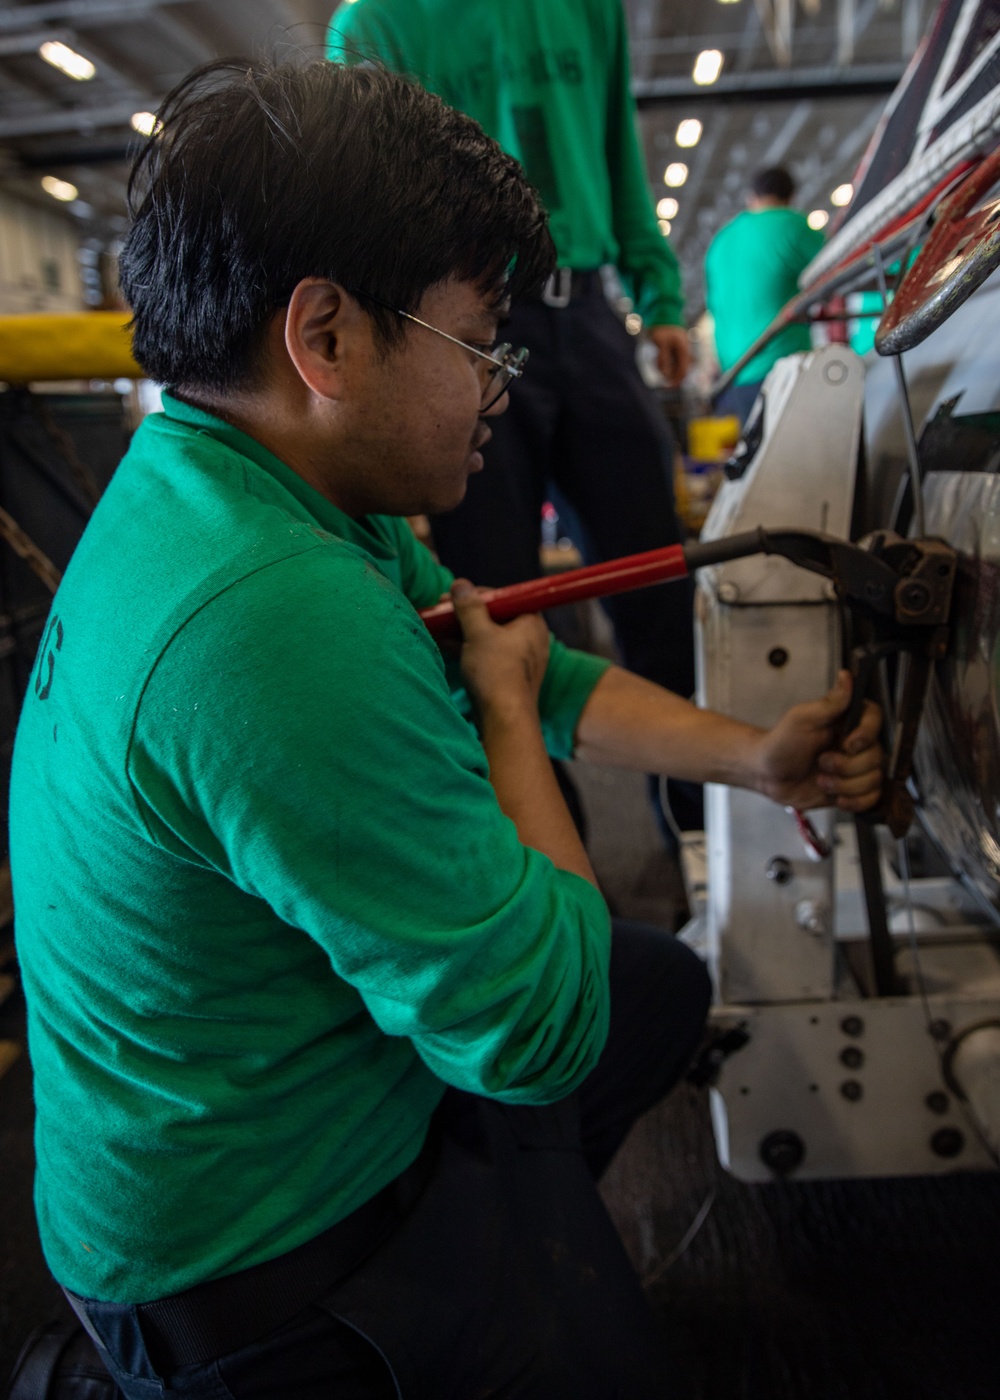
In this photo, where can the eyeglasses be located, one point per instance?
(506, 363)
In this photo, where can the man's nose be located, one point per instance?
(495, 409)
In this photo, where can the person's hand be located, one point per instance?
(502, 666)
(799, 765)
(673, 353)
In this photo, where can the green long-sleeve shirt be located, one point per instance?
(267, 904)
(550, 81)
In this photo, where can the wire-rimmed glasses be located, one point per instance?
(506, 363)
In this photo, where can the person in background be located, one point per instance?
(752, 269)
(551, 83)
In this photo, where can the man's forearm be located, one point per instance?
(526, 788)
(632, 723)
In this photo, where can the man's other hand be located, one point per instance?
(673, 353)
(501, 665)
(801, 765)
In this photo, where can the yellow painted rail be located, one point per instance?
(87, 345)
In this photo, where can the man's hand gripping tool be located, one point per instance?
(896, 594)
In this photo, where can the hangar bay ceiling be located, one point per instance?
(800, 82)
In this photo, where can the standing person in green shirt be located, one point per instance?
(330, 1030)
(551, 82)
(752, 269)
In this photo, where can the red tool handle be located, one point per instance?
(594, 581)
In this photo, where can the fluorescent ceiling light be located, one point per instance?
(675, 174)
(707, 67)
(59, 189)
(145, 123)
(667, 208)
(689, 132)
(67, 60)
(818, 219)
(842, 195)
(665, 227)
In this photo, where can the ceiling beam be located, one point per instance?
(786, 134)
(786, 85)
(30, 41)
(79, 13)
(70, 119)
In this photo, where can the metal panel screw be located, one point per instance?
(782, 1151)
(851, 1090)
(779, 870)
(914, 596)
(852, 1025)
(811, 916)
(940, 1029)
(937, 1101)
(777, 656)
(947, 1142)
(852, 1057)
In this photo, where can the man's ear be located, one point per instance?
(325, 332)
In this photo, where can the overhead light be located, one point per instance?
(842, 195)
(665, 227)
(675, 174)
(145, 123)
(707, 67)
(667, 208)
(819, 218)
(59, 189)
(67, 60)
(689, 132)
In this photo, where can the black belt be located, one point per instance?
(568, 283)
(226, 1314)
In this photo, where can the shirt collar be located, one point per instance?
(322, 510)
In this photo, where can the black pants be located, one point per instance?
(738, 399)
(582, 418)
(507, 1278)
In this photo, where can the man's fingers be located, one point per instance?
(836, 763)
(470, 609)
(856, 784)
(867, 731)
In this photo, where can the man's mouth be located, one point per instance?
(476, 455)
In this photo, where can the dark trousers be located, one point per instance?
(506, 1279)
(738, 399)
(580, 418)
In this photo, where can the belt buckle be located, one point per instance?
(558, 289)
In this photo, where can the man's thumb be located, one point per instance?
(469, 607)
(838, 697)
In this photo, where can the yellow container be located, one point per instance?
(712, 439)
(87, 345)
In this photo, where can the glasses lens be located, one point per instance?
(510, 364)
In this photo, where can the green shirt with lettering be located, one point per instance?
(267, 904)
(550, 81)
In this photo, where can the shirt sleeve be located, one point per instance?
(361, 32)
(647, 263)
(570, 676)
(312, 754)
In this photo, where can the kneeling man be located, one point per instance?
(331, 1032)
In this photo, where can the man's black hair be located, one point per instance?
(260, 175)
(774, 183)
